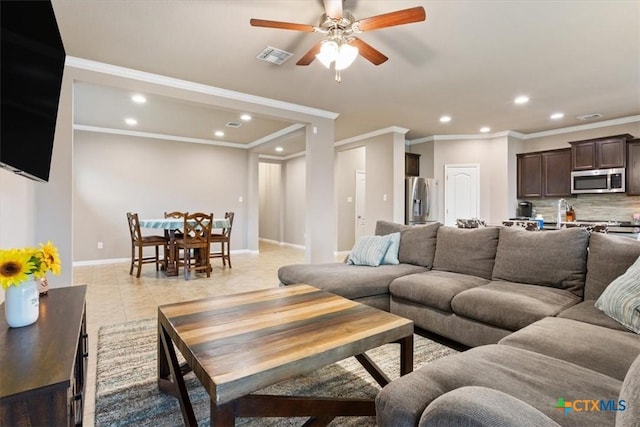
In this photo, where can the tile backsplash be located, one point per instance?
(600, 207)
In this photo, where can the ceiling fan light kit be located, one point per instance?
(340, 48)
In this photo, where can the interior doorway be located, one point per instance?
(462, 192)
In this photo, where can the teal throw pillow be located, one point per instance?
(369, 250)
(621, 299)
(391, 257)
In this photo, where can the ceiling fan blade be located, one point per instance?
(281, 25)
(368, 52)
(406, 16)
(310, 55)
(333, 8)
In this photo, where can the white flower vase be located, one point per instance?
(22, 304)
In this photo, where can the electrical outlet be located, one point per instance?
(349, 199)
(384, 197)
(100, 245)
(240, 199)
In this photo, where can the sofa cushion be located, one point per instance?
(549, 258)
(534, 378)
(630, 393)
(474, 406)
(588, 313)
(512, 305)
(349, 281)
(433, 288)
(369, 250)
(609, 257)
(417, 242)
(621, 299)
(466, 251)
(580, 343)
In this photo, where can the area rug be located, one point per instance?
(127, 393)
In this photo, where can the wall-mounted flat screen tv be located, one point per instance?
(32, 56)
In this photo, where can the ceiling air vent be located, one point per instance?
(589, 117)
(233, 124)
(274, 55)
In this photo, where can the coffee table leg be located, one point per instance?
(223, 415)
(406, 355)
(170, 379)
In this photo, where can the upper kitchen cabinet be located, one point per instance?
(599, 153)
(544, 174)
(411, 164)
(633, 167)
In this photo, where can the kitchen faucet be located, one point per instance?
(562, 206)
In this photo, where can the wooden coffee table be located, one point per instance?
(241, 343)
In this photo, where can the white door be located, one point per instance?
(462, 192)
(361, 180)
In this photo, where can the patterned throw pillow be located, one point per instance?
(369, 250)
(391, 256)
(621, 299)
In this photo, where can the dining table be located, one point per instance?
(171, 225)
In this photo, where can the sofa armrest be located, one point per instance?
(474, 406)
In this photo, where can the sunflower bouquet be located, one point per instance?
(16, 265)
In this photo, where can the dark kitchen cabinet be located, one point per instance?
(544, 174)
(599, 153)
(529, 175)
(633, 167)
(411, 164)
(556, 173)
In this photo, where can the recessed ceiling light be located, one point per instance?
(445, 119)
(279, 149)
(138, 99)
(521, 99)
(245, 117)
(219, 133)
(131, 121)
(556, 116)
(485, 129)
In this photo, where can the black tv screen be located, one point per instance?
(32, 65)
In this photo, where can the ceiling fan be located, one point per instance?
(340, 46)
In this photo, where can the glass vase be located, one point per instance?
(22, 304)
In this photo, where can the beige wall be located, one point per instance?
(270, 201)
(294, 197)
(347, 163)
(115, 174)
(492, 156)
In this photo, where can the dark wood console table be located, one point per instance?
(43, 366)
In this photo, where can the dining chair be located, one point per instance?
(224, 239)
(171, 235)
(195, 244)
(139, 242)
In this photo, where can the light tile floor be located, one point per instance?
(113, 296)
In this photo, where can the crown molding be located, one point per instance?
(115, 70)
(139, 134)
(589, 126)
(276, 134)
(525, 136)
(372, 134)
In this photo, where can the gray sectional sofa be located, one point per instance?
(525, 301)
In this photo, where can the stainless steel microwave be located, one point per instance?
(598, 181)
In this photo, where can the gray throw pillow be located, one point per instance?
(469, 251)
(417, 242)
(555, 258)
(609, 257)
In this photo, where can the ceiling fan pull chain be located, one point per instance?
(338, 79)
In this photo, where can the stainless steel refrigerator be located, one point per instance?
(421, 195)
